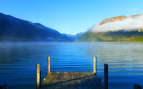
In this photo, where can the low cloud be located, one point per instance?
(128, 24)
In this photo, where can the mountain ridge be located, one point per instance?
(15, 29)
(119, 28)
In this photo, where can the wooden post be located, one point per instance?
(94, 65)
(49, 65)
(38, 76)
(106, 76)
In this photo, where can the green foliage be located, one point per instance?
(112, 36)
(136, 39)
(88, 36)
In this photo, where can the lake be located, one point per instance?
(18, 61)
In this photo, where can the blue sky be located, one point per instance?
(69, 16)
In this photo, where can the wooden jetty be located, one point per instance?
(72, 80)
(69, 80)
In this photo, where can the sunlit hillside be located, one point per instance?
(120, 28)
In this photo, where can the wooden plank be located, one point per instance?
(72, 80)
(63, 76)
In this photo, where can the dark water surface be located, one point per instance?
(18, 61)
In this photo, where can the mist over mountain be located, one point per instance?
(119, 28)
(127, 23)
(15, 29)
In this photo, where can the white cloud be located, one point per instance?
(134, 10)
(129, 23)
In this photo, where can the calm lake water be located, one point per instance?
(18, 61)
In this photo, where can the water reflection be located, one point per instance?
(124, 59)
